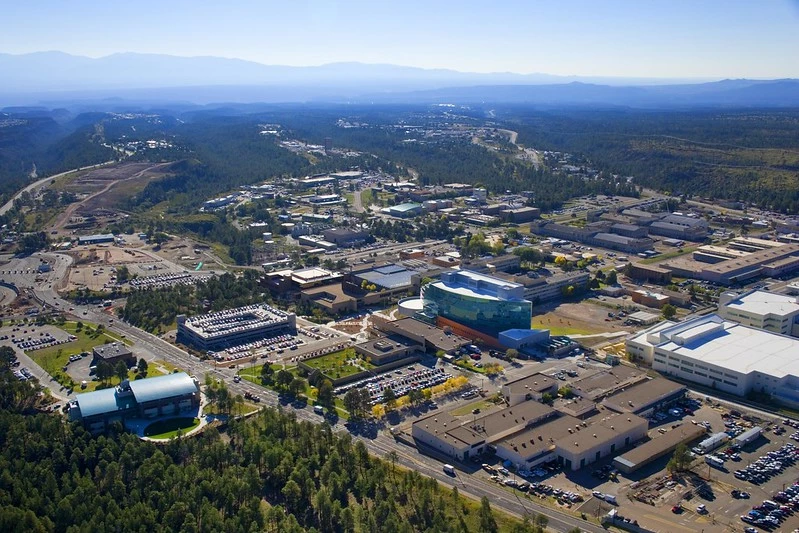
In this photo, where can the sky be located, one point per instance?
(635, 38)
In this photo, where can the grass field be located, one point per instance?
(166, 429)
(468, 408)
(253, 375)
(335, 365)
(54, 358)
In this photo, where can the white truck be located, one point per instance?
(449, 470)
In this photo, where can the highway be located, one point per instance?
(43, 181)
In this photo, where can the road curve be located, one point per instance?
(41, 182)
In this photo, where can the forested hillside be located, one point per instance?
(271, 473)
(28, 139)
(739, 155)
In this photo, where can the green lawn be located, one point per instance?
(335, 365)
(166, 429)
(54, 358)
(468, 408)
(367, 197)
(253, 375)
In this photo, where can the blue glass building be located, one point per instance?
(478, 301)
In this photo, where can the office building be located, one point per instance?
(113, 353)
(645, 397)
(143, 398)
(388, 349)
(477, 301)
(529, 388)
(345, 237)
(407, 210)
(540, 289)
(680, 227)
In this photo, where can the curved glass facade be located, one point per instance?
(486, 314)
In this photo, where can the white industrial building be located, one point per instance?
(777, 313)
(725, 355)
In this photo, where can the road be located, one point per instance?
(40, 183)
(63, 218)
(357, 204)
(376, 438)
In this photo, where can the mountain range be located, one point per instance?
(52, 78)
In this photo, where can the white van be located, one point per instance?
(449, 470)
(610, 498)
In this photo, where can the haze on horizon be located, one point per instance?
(712, 39)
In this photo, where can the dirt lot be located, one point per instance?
(113, 183)
(94, 265)
(583, 318)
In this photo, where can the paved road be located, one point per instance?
(40, 183)
(378, 440)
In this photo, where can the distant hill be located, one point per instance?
(54, 78)
(727, 93)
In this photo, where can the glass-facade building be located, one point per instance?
(478, 301)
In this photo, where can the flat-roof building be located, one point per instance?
(96, 239)
(769, 311)
(431, 337)
(540, 289)
(387, 349)
(645, 397)
(528, 388)
(572, 442)
(596, 386)
(462, 440)
(656, 448)
(406, 210)
(232, 327)
(345, 236)
(112, 353)
(724, 355)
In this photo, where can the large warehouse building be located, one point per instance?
(777, 313)
(143, 398)
(724, 355)
(223, 329)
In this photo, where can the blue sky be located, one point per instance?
(635, 38)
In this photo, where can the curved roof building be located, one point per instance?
(477, 301)
(142, 398)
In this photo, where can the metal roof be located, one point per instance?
(103, 401)
(147, 390)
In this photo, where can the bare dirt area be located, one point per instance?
(95, 267)
(103, 190)
(580, 318)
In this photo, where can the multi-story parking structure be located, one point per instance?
(232, 327)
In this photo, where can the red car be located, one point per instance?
(677, 509)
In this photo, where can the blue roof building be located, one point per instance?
(144, 398)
